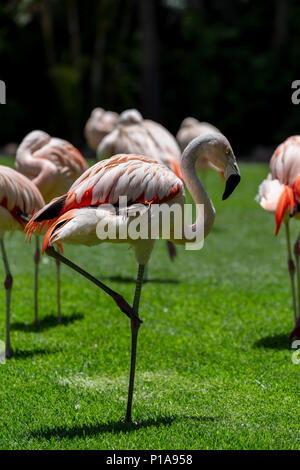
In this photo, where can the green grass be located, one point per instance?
(214, 367)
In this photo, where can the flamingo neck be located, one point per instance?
(205, 220)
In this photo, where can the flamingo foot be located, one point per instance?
(8, 353)
(295, 333)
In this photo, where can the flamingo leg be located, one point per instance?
(291, 267)
(296, 330)
(119, 300)
(297, 253)
(171, 250)
(58, 290)
(8, 286)
(131, 312)
(135, 325)
(36, 281)
(146, 270)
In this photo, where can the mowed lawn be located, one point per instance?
(214, 368)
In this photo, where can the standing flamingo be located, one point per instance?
(53, 165)
(99, 124)
(133, 134)
(279, 193)
(74, 217)
(19, 198)
(191, 128)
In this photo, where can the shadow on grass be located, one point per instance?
(49, 321)
(20, 354)
(131, 280)
(279, 341)
(113, 427)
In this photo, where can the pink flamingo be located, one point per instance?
(133, 134)
(53, 165)
(191, 128)
(19, 199)
(99, 124)
(279, 193)
(73, 218)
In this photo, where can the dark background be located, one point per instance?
(229, 62)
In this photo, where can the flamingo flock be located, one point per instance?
(53, 193)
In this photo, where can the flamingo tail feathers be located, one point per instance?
(285, 201)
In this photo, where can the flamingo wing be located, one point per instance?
(137, 177)
(18, 196)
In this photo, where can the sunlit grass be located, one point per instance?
(214, 367)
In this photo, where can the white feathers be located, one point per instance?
(269, 193)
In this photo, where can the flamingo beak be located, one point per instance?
(233, 180)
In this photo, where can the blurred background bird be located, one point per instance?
(99, 124)
(191, 128)
(52, 164)
(133, 134)
(19, 199)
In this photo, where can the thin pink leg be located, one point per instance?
(36, 280)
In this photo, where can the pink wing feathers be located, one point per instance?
(53, 164)
(135, 135)
(137, 177)
(18, 197)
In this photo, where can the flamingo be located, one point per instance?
(191, 128)
(133, 134)
(53, 165)
(19, 198)
(279, 193)
(74, 217)
(99, 124)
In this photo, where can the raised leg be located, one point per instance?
(36, 280)
(58, 290)
(131, 312)
(291, 267)
(118, 299)
(135, 325)
(8, 286)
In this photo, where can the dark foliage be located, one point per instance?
(228, 62)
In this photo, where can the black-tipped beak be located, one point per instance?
(231, 184)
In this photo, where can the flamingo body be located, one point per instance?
(141, 180)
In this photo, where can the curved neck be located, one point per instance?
(39, 170)
(205, 219)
